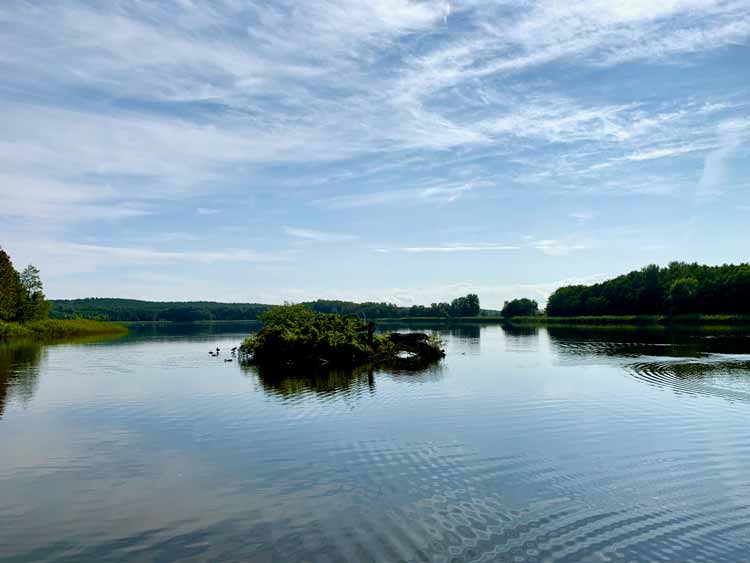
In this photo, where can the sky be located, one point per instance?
(388, 150)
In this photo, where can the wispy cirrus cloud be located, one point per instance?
(550, 247)
(732, 134)
(145, 111)
(59, 258)
(458, 247)
(435, 194)
(207, 211)
(318, 236)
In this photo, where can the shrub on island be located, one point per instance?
(295, 336)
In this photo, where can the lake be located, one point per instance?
(522, 445)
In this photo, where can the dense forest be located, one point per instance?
(467, 306)
(21, 294)
(109, 309)
(190, 311)
(679, 288)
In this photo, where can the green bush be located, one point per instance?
(293, 335)
(296, 335)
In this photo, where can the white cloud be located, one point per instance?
(492, 296)
(458, 247)
(58, 258)
(47, 199)
(437, 194)
(732, 135)
(582, 216)
(318, 236)
(207, 211)
(552, 247)
(111, 108)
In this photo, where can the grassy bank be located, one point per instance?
(52, 328)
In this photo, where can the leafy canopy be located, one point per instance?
(21, 295)
(679, 288)
(523, 307)
(293, 334)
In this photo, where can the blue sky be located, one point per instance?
(376, 150)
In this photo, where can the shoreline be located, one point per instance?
(51, 329)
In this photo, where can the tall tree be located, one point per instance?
(11, 290)
(523, 307)
(34, 304)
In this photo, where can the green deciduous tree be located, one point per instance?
(682, 294)
(35, 306)
(11, 290)
(653, 290)
(523, 307)
(21, 295)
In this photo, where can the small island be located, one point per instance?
(293, 336)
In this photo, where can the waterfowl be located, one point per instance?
(227, 359)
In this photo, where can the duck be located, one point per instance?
(227, 359)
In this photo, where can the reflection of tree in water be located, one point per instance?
(334, 382)
(572, 342)
(689, 361)
(18, 371)
(289, 383)
(164, 332)
(464, 331)
(716, 376)
(521, 338)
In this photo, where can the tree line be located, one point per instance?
(21, 294)
(678, 288)
(107, 309)
(134, 310)
(466, 306)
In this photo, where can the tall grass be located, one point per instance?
(54, 328)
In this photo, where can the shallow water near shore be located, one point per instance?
(524, 444)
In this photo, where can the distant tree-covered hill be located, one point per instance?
(110, 309)
(679, 288)
(467, 306)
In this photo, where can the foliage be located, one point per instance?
(679, 288)
(294, 335)
(21, 295)
(520, 308)
(10, 289)
(107, 309)
(189, 311)
(300, 336)
(53, 328)
(35, 305)
(467, 306)
(682, 293)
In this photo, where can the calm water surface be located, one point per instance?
(523, 445)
